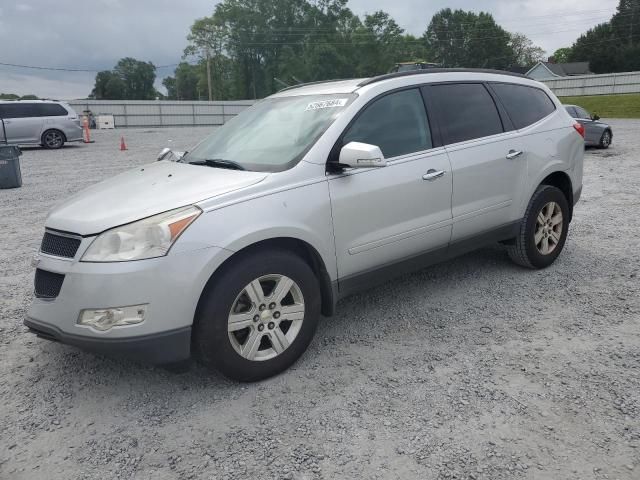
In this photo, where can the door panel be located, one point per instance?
(23, 130)
(488, 165)
(22, 123)
(486, 184)
(387, 214)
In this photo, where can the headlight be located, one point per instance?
(148, 238)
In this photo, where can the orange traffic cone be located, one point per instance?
(123, 146)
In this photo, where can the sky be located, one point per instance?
(94, 34)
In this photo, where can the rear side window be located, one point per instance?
(466, 111)
(51, 110)
(18, 110)
(397, 123)
(571, 111)
(525, 105)
(582, 113)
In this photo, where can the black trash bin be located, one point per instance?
(10, 176)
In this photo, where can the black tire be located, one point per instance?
(605, 140)
(524, 251)
(211, 341)
(53, 139)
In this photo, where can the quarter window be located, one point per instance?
(582, 113)
(51, 110)
(525, 105)
(466, 111)
(397, 123)
(571, 111)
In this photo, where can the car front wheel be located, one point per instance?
(258, 315)
(605, 140)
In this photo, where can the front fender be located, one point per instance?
(302, 213)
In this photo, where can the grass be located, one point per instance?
(608, 106)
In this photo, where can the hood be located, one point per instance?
(145, 191)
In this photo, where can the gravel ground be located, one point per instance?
(473, 369)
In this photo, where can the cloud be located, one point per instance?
(95, 34)
(23, 7)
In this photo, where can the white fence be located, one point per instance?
(605, 84)
(141, 113)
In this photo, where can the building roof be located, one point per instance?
(566, 69)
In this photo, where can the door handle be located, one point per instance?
(433, 174)
(514, 154)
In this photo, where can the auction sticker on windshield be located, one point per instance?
(336, 102)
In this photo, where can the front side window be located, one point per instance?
(467, 111)
(397, 123)
(525, 105)
(271, 136)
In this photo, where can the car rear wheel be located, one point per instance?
(605, 140)
(257, 316)
(53, 139)
(543, 231)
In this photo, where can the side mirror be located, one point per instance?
(361, 155)
(595, 116)
(168, 154)
(164, 153)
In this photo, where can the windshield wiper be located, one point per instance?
(219, 163)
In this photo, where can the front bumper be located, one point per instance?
(159, 349)
(169, 286)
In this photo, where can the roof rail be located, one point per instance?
(293, 87)
(428, 71)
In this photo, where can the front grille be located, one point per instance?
(59, 245)
(48, 284)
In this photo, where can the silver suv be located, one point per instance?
(41, 122)
(234, 251)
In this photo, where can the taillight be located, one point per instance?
(579, 128)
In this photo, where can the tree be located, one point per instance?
(377, 41)
(562, 55)
(138, 78)
(612, 46)
(108, 86)
(465, 39)
(525, 52)
(170, 84)
(184, 85)
(131, 79)
(206, 40)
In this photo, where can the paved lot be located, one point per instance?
(471, 369)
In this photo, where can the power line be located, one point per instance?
(302, 43)
(57, 69)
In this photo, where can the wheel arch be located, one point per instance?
(301, 248)
(562, 182)
(44, 132)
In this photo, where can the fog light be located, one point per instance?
(104, 319)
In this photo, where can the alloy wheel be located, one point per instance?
(549, 224)
(266, 317)
(53, 139)
(606, 139)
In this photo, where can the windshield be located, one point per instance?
(271, 136)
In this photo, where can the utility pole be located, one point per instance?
(209, 74)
